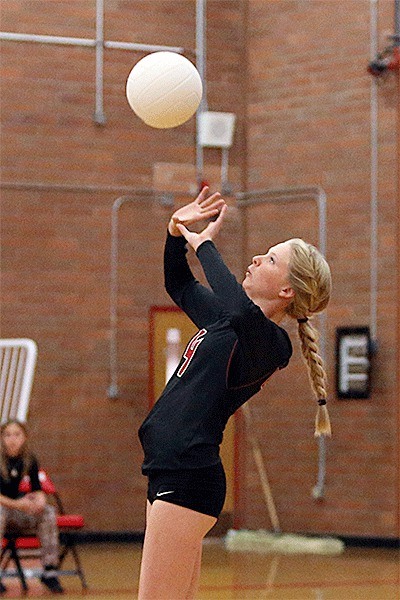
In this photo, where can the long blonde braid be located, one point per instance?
(310, 278)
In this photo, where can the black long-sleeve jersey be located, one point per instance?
(235, 350)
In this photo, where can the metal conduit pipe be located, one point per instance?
(290, 194)
(165, 200)
(67, 187)
(72, 41)
(201, 54)
(45, 39)
(300, 194)
(99, 44)
(146, 47)
(130, 195)
(396, 39)
(113, 388)
(373, 175)
(99, 116)
(396, 36)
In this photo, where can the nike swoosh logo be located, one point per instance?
(163, 493)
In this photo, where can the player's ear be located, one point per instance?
(286, 292)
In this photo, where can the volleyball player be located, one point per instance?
(239, 345)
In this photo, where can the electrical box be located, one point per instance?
(353, 362)
(215, 129)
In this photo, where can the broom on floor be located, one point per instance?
(264, 541)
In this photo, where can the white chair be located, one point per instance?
(17, 369)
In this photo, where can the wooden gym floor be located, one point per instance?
(359, 574)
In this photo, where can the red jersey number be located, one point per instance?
(190, 350)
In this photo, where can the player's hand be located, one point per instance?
(27, 505)
(204, 207)
(209, 233)
(32, 503)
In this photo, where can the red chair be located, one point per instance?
(14, 548)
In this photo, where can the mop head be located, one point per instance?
(265, 542)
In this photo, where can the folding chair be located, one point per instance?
(17, 369)
(16, 548)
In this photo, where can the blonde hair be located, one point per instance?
(310, 278)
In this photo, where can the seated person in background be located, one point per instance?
(26, 513)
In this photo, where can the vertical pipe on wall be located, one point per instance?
(396, 38)
(201, 57)
(397, 22)
(140, 196)
(373, 173)
(319, 488)
(99, 116)
(113, 390)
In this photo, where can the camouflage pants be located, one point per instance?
(43, 525)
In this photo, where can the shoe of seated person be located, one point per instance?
(52, 583)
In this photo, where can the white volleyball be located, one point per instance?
(164, 89)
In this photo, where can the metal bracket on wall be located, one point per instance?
(166, 199)
(99, 44)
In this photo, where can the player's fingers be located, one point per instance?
(184, 231)
(203, 194)
(210, 200)
(213, 210)
(222, 212)
(217, 224)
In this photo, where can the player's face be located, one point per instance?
(267, 276)
(13, 438)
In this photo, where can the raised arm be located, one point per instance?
(197, 301)
(223, 283)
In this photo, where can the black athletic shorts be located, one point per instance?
(202, 490)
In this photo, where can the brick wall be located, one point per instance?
(309, 124)
(295, 74)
